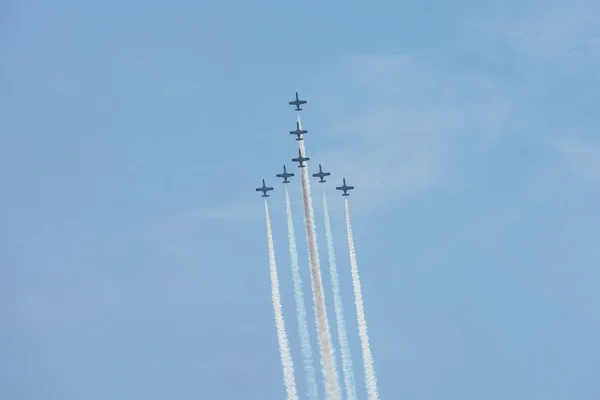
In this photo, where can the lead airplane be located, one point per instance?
(345, 188)
(297, 103)
(264, 189)
(299, 132)
(285, 175)
(300, 159)
(321, 175)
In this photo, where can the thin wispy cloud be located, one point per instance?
(401, 123)
(179, 233)
(401, 139)
(581, 158)
(547, 31)
(226, 212)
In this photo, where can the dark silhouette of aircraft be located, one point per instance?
(299, 132)
(285, 175)
(321, 174)
(297, 103)
(264, 189)
(300, 159)
(345, 188)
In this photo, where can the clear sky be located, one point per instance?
(134, 261)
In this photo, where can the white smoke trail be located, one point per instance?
(286, 357)
(332, 388)
(309, 369)
(349, 382)
(370, 379)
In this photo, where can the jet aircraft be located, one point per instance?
(321, 175)
(300, 159)
(297, 103)
(299, 132)
(285, 175)
(264, 189)
(345, 188)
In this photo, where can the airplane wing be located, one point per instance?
(350, 187)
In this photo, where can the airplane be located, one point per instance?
(264, 189)
(300, 159)
(285, 175)
(321, 174)
(297, 103)
(298, 131)
(345, 188)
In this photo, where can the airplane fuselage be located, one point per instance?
(345, 188)
(298, 133)
(285, 175)
(320, 176)
(297, 103)
(264, 189)
(300, 159)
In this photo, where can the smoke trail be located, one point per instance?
(332, 389)
(370, 379)
(286, 358)
(349, 382)
(309, 369)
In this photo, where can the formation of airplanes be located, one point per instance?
(301, 159)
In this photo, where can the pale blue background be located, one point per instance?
(133, 256)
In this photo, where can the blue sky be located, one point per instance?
(134, 259)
